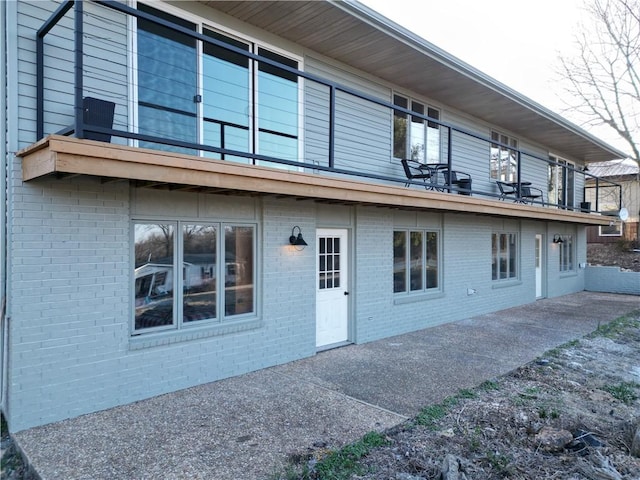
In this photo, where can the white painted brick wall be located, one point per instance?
(612, 280)
(70, 313)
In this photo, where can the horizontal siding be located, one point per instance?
(105, 59)
(105, 64)
(362, 129)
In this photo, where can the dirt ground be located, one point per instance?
(571, 414)
(614, 254)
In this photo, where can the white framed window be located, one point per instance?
(504, 256)
(416, 261)
(504, 158)
(190, 273)
(413, 137)
(567, 254)
(198, 92)
(613, 230)
(561, 178)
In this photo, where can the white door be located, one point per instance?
(332, 293)
(538, 266)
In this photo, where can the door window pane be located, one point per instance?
(328, 262)
(154, 276)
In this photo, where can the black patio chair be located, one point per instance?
(99, 113)
(462, 180)
(415, 170)
(507, 189)
(529, 194)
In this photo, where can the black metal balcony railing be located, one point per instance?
(452, 143)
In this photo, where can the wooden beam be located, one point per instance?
(152, 168)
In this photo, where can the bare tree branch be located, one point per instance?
(604, 78)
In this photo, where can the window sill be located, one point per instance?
(568, 274)
(417, 297)
(149, 340)
(505, 283)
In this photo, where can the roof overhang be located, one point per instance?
(356, 35)
(60, 156)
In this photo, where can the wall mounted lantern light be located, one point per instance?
(557, 238)
(296, 240)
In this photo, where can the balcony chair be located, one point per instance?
(99, 113)
(526, 194)
(529, 194)
(462, 180)
(507, 189)
(415, 170)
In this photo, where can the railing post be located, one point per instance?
(42, 32)
(78, 69)
(332, 124)
(449, 159)
(519, 172)
(39, 87)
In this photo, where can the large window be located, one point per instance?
(167, 81)
(220, 99)
(567, 253)
(187, 273)
(504, 158)
(415, 261)
(413, 137)
(504, 256)
(561, 182)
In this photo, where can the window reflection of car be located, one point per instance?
(153, 282)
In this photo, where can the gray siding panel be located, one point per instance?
(362, 129)
(105, 63)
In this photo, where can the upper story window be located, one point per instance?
(217, 97)
(415, 261)
(562, 189)
(504, 158)
(504, 256)
(167, 81)
(413, 137)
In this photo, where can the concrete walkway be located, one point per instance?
(247, 427)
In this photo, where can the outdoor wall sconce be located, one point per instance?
(557, 238)
(296, 240)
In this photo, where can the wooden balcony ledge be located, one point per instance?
(62, 156)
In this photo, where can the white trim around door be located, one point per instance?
(332, 287)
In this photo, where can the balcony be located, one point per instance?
(284, 133)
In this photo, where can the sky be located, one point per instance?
(516, 42)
